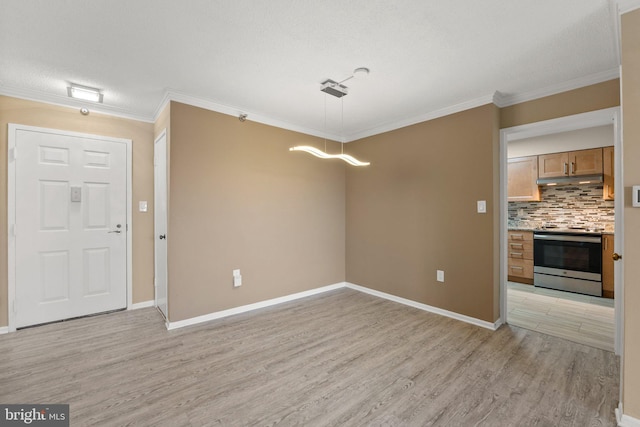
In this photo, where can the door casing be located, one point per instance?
(160, 225)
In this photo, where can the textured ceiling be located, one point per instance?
(267, 58)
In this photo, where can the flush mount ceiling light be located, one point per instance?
(85, 93)
(338, 90)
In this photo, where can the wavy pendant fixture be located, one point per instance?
(319, 153)
(338, 90)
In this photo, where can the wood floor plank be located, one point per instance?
(339, 358)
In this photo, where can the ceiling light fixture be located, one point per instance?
(338, 90)
(85, 93)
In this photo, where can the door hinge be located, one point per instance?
(13, 230)
(13, 154)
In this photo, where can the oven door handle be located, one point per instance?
(579, 239)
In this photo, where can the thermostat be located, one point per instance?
(635, 196)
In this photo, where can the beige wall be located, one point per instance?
(413, 211)
(589, 98)
(241, 200)
(631, 168)
(31, 113)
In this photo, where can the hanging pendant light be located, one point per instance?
(338, 90)
(319, 153)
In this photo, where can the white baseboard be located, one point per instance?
(4, 330)
(293, 297)
(625, 420)
(143, 304)
(251, 307)
(429, 308)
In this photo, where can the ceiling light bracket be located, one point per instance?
(334, 88)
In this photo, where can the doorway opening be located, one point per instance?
(538, 307)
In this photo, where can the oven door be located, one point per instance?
(568, 263)
(568, 252)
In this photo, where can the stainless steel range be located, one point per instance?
(568, 260)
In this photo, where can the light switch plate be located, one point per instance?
(635, 196)
(142, 206)
(482, 206)
(440, 275)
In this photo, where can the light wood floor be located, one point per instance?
(342, 358)
(579, 318)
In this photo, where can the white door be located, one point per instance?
(70, 226)
(160, 220)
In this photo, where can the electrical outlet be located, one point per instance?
(440, 275)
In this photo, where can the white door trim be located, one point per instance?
(11, 213)
(604, 117)
(156, 222)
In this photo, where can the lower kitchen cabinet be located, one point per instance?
(607, 265)
(520, 256)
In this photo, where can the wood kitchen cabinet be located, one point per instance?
(608, 171)
(607, 265)
(572, 163)
(520, 256)
(522, 173)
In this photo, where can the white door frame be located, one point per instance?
(564, 124)
(11, 211)
(156, 221)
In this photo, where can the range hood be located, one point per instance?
(564, 180)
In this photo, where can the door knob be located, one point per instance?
(615, 256)
(163, 236)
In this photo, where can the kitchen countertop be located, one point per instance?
(534, 225)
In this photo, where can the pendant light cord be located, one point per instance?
(325, 123)
(342, 127)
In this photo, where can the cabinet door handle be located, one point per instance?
(516, 254)
(517, 245)
(564, 171)
(605, 241)
(572, 168)
(517, 236)
(515, 267)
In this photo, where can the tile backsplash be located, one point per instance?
(566, 205)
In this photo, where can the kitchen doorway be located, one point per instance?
(534, 307)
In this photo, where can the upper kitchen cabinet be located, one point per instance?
(522, 173)
(585, 162)
(572, 163)
(553, 165)
(607, 169)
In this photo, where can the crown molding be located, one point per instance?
(625, 6)
(65, 101)
(499, 99)
(173, 95)
(603, 76)
(387, 127)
